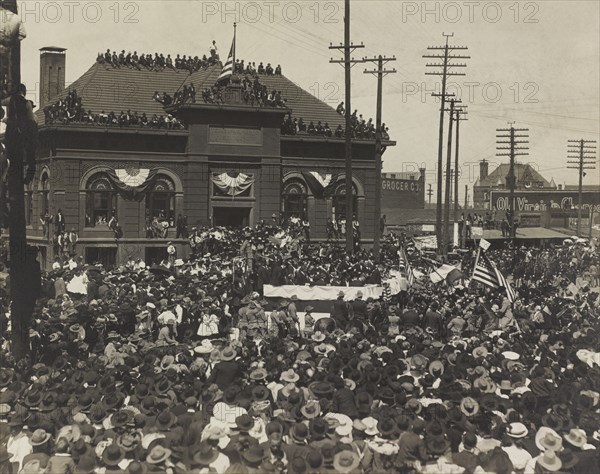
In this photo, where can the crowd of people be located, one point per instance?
(71, 111)
(188, 367)
(159, 62)
(252, 69)
(253, 93)
(360, 128)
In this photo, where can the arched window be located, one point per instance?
(101, 200)
(294, 200)
(339, 201)
(160, 201)
(44, 194)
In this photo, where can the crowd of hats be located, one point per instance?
(344, 400)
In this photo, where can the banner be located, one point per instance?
(129, 192)
(426, 242)
(232, 184)
(484, 244)
(327, 293)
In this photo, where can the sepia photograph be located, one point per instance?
(299, 237)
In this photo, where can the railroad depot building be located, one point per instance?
(230, 165)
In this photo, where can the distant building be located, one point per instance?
(527, 179)
(402, 190)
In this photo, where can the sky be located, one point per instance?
(533, 63)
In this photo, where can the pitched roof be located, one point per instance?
(109, 88)
(524, 174)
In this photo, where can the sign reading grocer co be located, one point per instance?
(542, 201)
(400, 185)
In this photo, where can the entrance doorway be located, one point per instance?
(232, 217)
(107, 256)
(155, 255)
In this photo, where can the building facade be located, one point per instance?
(229, 166)
(527, 178)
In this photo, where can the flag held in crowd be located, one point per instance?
(405, 266)
(485, 272)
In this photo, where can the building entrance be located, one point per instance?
(231, 217)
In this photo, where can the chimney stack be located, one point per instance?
(483, 170)
(52, 73)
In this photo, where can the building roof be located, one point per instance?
(524, 172)
(406, 175)
(107, 88)
(585, 187)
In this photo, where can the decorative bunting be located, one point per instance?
(232, 184)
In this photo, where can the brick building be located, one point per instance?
(83, 169)
(527, 178)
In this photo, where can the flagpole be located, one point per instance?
(234, 47)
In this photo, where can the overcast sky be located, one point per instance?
(534, 63)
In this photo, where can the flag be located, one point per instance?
(228, 67)
(405, 265)
(485, 272)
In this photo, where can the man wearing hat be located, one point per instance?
(227, 371)
(340, 311)
(358, 308)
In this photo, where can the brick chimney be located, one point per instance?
(52, 73)
(483, 170)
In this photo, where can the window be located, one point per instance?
(160, 202)
(294, 199)
(44, 195)
(339, 201)
(101, 200)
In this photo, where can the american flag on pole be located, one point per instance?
(228, 67)
(405, 266)
(485, 272)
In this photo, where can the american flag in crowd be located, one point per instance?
(485, 272)
(405, 266)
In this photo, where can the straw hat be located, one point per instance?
(548, 439)
(346, 461)
(550, 461)
(158, 454)
(517, 430)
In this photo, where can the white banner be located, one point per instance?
(322, 293)
(426, 242)
(484, 244)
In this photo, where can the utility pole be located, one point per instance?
(348, 62)
(514, 149)
(379, 149)
(584, 151)
(459, 110)
(446, 225)
(463, 235)
(20, 139)
(446, 64)
(429, 193)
